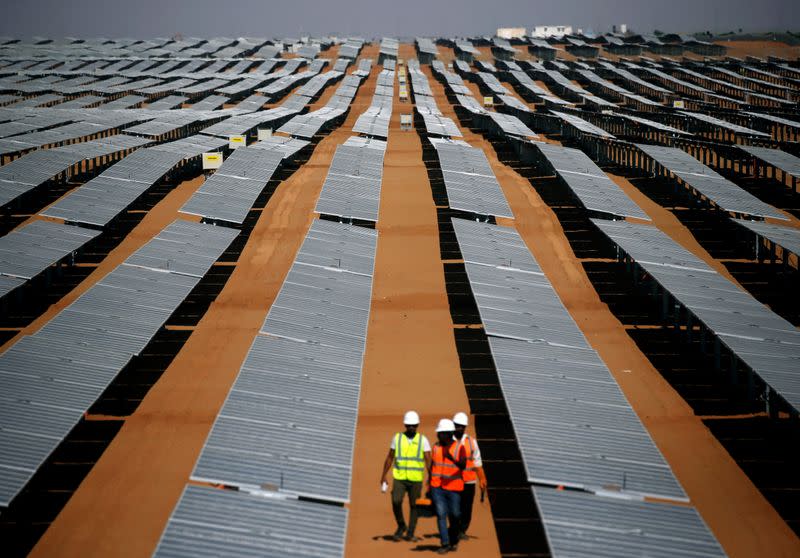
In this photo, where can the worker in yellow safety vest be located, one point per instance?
(409, 457)
(473, 473)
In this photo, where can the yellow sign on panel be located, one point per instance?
(236, 141)
(212, 161)
(488, 101)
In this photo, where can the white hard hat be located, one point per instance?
(445, 425)
(461, 419)
(411, 418)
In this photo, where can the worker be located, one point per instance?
(473, 473)
(446, 482)
(409, 457)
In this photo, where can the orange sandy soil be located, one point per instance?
(411, 360)
(742, 520)
(761, 49)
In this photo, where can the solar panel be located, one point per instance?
(786, 162)
(580, 525)
(595, 190)
(231, 191)
(719, 190)
(787, 238)
(352, 188)
(168, 103)
(212, 102)
(245, 123)
(59, 135)
(104, 197)
(375, 120)
(581, 124)
(470, 182)
(302, 378)
(762, 340)
(28, 251)
(35, 169)
(48, 380)
(208, 522)
(718, 122)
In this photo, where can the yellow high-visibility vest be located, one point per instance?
(409, 462)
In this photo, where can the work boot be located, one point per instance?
(411, 538)
(444, 549)
(399, 533)
(463, 536)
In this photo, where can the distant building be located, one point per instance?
(620, 29)
(545, 31)
(511, 32)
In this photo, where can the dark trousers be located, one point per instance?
(448, 505)
(467, 497)
(399, 489)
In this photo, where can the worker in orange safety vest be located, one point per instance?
(446, 483)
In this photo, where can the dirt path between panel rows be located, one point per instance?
(411, 360)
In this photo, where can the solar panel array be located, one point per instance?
(229, 193)
(787, 238)
(718, 122)
(720, 191)
(435, 122)
(788, 163)
(581, 525)
(69, 133)
(763, 341)
(595, 190)
(351, 48)
(352, 188)
(364, 67)
(301, 379)
(35, 169)
(48, 380)
(309, 124)
(375, 120)
(389, 47)
(452, 81)
(99, 201)
(208, 523)
(580, 124)
(245, 123)
(510, 125)
(470, 182)
(426, 46)
(29, 250)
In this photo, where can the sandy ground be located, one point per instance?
(743, 521)
(122, 506)
(761, 49)
(411, 360)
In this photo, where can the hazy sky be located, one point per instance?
(262, 18)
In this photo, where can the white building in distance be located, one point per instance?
(511, 32)
(544, 31)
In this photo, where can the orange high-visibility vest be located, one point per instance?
(444, 472)
(469, 473)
